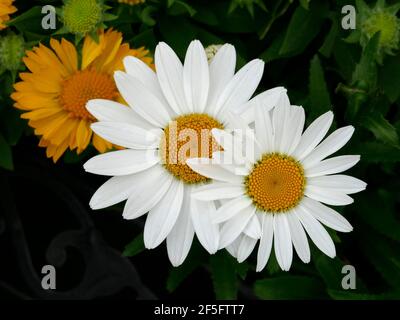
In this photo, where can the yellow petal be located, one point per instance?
(91, 50)
(70, 63)
(83, 135)
(100, 144)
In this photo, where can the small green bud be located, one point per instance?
(82, 16)
(12, 49)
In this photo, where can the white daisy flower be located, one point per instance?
(193, 97)
(278, 197)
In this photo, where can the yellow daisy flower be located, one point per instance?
(6, 8)
(55, 91)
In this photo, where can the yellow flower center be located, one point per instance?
(83, 86)
(188, 136)
(276, 183)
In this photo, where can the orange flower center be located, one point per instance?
(188, 136)
(83, 86)
(276, 183)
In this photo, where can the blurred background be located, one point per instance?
(311, 48)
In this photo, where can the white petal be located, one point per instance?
(118, 189)
(339, 183)
(170, 76)
(313, 135)
(231, 208)
(213, 171)
(253, 228)
(245, 144)
(126, 135)
(280, 113)
(267, 99)
(217, 191)
(141, 99)
(296, 123)
(282, 242)
(234, 246)
(241, 87)
(141, 71)
(289, 126)
(334, 198)
(246, 246)
(144, 196)
(222, 69)
(233, 227)
(111, 111)
(299, 237)
(264, 249)
(206, 231)
(196, 78)
(332, 165)
(326, 215)
(122, 162)
(113, 191)
(181, 236)
(162, 217)
(331, 144)
(263, 127)
(226, 161)
(316, 231)
(230, 145)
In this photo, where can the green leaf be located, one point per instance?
(177, 7)
(382, 201)
(134, 247)
(383, 254)
(194, 260)
(366, 69)
(146, 15)
(272, 52)
(330, 271)
(30, 14)
(289, 287)
(223, 274)
(30, 21)
(382, 129)
(303, 28)
(305, 4)
(6, 161)
(346, 57)
(319, 95)
(389, 79)
(327, 46)
(377, 152)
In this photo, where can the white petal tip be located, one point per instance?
(176, 263)
(93, 206)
